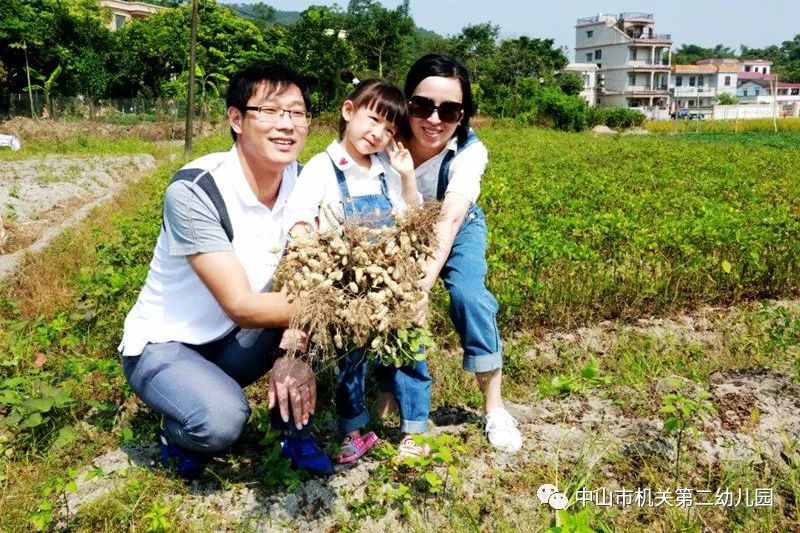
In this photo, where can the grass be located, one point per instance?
(584, 227)
(757, 125)
(573, 221)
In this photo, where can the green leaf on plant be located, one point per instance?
(726, 267)
(66, 435)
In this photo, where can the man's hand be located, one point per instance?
(292, 381)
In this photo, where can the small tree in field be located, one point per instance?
(727, 99)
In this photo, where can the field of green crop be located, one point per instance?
(589, 232)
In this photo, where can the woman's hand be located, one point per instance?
(292, 382)
(421, 307)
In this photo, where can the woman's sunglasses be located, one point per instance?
(421, 107)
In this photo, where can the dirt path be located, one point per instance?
(41, 196)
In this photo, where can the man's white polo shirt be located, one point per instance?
(174, 304)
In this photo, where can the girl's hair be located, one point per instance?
(444, 67)
(383, 98)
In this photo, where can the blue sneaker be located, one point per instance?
(187, 464)
(306, 455)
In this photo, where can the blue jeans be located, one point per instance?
(411, 386)
(198, 389)
(473, 309)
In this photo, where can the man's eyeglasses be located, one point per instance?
(270, 113)
(422, 107)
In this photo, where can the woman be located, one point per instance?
(449, 161)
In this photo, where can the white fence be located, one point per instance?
(755, 111)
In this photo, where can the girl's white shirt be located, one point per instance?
(465, 172)
(317, 186)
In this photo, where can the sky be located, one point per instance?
(755, 23)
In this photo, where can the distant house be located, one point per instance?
(700, 85)
(122, 11)
(588, 74)
(759, 91)
(633, 60)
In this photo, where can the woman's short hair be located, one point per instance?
(444, 67)
(277, 78)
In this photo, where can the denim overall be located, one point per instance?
(473, 309)
(411, 385)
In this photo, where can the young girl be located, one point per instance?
(355, 178)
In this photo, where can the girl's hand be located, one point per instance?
(401, 160)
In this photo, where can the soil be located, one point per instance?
(40, 196)
(756, 421)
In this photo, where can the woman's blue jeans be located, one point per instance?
(473, 309)
(198, 389)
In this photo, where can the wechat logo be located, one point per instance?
(549, 494)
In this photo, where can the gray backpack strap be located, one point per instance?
(204, 180)
(444, 169)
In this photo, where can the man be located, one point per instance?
(204, 325)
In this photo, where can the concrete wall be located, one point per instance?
(743, 111)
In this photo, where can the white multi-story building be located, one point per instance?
(122, 11)
(700, 85)
(588, 75)
(632, 59)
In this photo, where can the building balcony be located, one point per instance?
(651, 37)
(646, 90)
(694, 91)
(647, 64)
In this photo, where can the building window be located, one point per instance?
(632, 54)
(691, 103)
(598, 54)
(678, 81)
(589, 34)
(796, 91)
(747, 68)
(631, 79)
(744, 92)
(589, 57)
(727, 81)
(700, 81)
(119, 21)
(692, 81)
(758, 92)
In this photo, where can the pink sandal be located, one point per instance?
(353, 448)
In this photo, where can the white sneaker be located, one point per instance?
(501, 430)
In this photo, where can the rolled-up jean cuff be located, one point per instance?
(483, 363)
(346, 425)
(414, 426)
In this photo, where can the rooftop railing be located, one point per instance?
(632, 15)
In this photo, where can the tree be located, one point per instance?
(475, 45)
(727, 99)
(263, 15)
(689, 54)
(378, 34)
(570, 83)
(319, 54)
